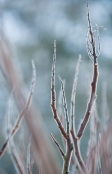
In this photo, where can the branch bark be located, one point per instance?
(66, 134)
(93, 55)
(94, 81)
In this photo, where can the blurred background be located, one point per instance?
(30, 27)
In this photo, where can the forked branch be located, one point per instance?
(93, 55)
(66, 134)
(91, 47)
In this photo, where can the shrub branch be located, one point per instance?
(94, 81)
(66, 134)
(53, 96)
(57, 144)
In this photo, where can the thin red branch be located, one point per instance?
(93, 84)
(91, 102)
(57, 144)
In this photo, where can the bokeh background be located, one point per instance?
(31, 26)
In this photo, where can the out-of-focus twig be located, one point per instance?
(73, 132)
(28, 162)
(72, 109)
(20, 117)
(18, 163)
(41, 144)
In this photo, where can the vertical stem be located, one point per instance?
(67, 159)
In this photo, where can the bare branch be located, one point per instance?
(73, 133)
(57, 144)
(65, 104)
(53, 96)
(61, 114)
(93, 84)
(20, 117)
(60, 110)
(91, 40)
(65, 134)
(74, 93)
(97, 29)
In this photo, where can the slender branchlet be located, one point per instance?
(67, 157)
(58, 146)
(18, 163)
(94, 81)
(60, 107)
(20, 117)
(28, 161)
(73, 133)
(72, 107)
(61, 114)
(91, 45)
(66, 134)
(53, 96)
(65, 105)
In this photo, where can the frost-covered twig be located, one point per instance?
(66, 134)
(94, 81)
